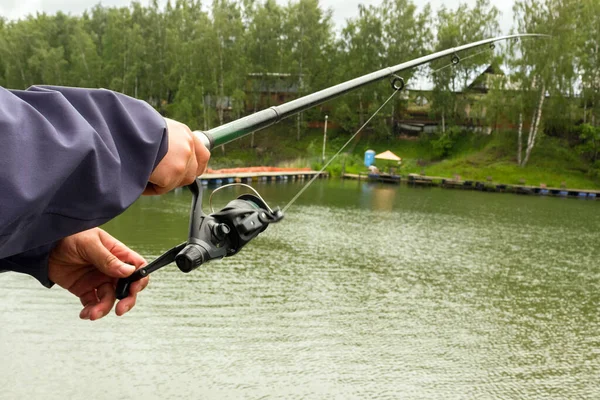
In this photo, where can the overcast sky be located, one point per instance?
(342, 9)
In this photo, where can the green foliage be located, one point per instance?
(347, 119)
(442, 146)
(590, 143)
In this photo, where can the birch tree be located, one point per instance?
(545, 68)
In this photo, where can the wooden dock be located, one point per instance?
(247, 177)
(487, 186)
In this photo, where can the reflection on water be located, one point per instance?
(379, 197)
(361, 292)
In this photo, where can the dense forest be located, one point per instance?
(192, 60)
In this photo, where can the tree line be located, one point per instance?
(178, 56)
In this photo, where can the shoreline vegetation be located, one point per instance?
(474, 157)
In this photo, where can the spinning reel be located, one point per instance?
(213, 236)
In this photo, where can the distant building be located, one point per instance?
(484, 81)
(225, 102)
(268, 89)
(416, 118)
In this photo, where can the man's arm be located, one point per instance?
(70, 159)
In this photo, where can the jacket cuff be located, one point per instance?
(164, 145)
(32, 262)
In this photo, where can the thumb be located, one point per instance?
(109, 264)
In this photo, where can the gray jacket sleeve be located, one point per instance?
(70, 159)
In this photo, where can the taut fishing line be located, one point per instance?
(396, 90)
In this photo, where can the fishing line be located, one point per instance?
(442, 68)
(396, 90)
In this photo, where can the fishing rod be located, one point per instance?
(224, 233)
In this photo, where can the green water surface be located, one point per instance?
(362, 292)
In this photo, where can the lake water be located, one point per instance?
(361, 292)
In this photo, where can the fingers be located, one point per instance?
(151, 190)
(191, 171)
(88, 300)
(128, 303)
(93, 261)
(122, 252)
(202, 155)
(175, 167)
(99, 302)
(89, 282)
(97, 254)
(186, 159)
(126, 254)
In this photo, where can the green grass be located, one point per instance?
(473, 156)
(551, 163)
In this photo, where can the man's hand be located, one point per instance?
(186, 159)
(88, 264)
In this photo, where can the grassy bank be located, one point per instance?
(472, 156)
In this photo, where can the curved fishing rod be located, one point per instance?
(241, 127)
(224, 233)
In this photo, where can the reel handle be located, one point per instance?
(167, 258)
(123, 284)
